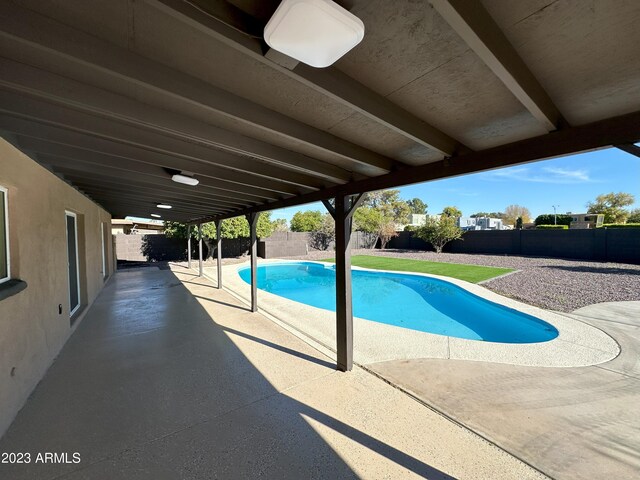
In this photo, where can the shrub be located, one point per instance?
(552, 227)
(547, 219)
(621, 225)
(519, 223)
(321, 239)
(439, 232)
(386, 232)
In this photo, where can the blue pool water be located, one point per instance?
(405, 300)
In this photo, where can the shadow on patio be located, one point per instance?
(156, 383)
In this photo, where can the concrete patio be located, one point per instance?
(577, 421)
(168, 377)
(571, 423)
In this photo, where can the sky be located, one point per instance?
(567, 182)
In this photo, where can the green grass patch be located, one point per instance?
(469, 273)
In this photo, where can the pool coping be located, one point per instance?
(577, 344)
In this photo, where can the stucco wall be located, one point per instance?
(32, 331)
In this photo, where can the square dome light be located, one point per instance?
(315, 32)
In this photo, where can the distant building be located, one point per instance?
(415, 220)
(129, 227)
(586, 220)
(482, 223)
(467, 223)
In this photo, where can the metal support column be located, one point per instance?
(342, 212)
(200, 269)
(253, 223)
(219, 250)
(189, 247)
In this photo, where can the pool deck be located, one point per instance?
(578, 343)
(169, 378)
(570, 422)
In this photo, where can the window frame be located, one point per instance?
(68, 213)
(103, 246)
(5, 215)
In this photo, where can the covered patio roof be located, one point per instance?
(116, 97)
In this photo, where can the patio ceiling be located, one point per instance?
(117, 96)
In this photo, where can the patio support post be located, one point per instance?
(342, 212)
(200, 269)
(219, 250)
(253, 223)
(189, 247)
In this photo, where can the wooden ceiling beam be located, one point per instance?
(619, 130)
(50, 87)
(202, 159)
(470, 20)
(88, 146)
(64, 45)
(329, 81)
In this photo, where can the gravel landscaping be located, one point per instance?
(551, 283)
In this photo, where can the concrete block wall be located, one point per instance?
(608, 245)
(152, 248)
(160, 248)
(288, 244)
(284, 248)
(32, 329)
(129, 248)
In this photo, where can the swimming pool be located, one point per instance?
(410, 301)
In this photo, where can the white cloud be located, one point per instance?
(545, 175)
(459, 192)
(580, 175)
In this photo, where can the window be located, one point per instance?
(5, 272)
(73, 262)
(104, 253)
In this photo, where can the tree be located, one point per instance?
(519, 223)
(236, 227)
(612, 206)
(390, 205)
(634, 216)
(487, 214)
(453, 212)
(322, 238)
(386, 232)
(380, 213)
(512, 212)
(280, 225)
(550, 219)
(308, 221)
(417, 206)
(368, 220)
(439, 232)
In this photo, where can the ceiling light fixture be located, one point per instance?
(163, 205)
(186, 179)
(315, 32)
(155, 215)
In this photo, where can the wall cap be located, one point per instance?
(11, 287)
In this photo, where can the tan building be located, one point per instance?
(586, 220)
(130, 227)
(44, 291)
